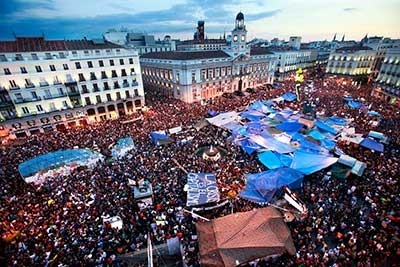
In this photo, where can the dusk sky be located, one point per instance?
(311, 19)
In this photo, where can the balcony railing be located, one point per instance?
(26, 100)
(43, 84)
(31, 85)
(15, 87)
(55, 96)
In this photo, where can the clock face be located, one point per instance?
(242, 37)
(235, 38)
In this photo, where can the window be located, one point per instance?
(127, 95)
(39, 108)
(18, 57)
(93, 76)
(95, 87)
(177, 77)
(52, 68)
(18, 96)
(78, 65)
(114, 74)
(123, 72)
(101, 63)
(61, 91)
(13, 84)
(106, 87)
(132, 71)
(109, 97)
(61, 54)
(34, 56)
(121, 61)
(65, 66)
(103, 75)
(84, 89)
(193, 77)
(86, 52)
(25, 110)
(3, 58)
(136, 91)
(131, 61)
(111, 62)
(52, 106)
(87, 100)
(98, 99)
(23, 70)
(38, 69)
(116, 85)
(118, 95)
(34, 95)
(48, 56)
(28, 83)
(90, 64)
(81, 77)
(7, 71)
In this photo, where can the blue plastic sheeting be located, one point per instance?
(233, 126)
(347, 98)
(317, 135)
(372, 144)
(285, 159)
(377, 135)
(290, 126)
(158, 138)
(354, 104)
(336, 120)
(271, 144)
(255, 127)
(373, 113)
(270, 160)
(55, 159)
(212, 113)
(308, 162)
(269, 103)
(328, 144)
(248, 146)
(261, 107)
(252, 115)
(325, 127)
(289, 96)
(262, 187)
(122, 146)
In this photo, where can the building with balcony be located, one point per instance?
(389, 74)
(193, 76)
(352, 60)
(48, 84)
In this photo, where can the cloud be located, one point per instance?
(350, 9)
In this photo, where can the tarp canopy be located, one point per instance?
(212, 113)
(271, 143)
(248, 146)
(289, 96)
(262, 187)
(202, 189)
(270, 160)
(223, 118)
(359, 168)
(308, 162)
(122, 146)
(317, 135)
(252, 115)
(261, 107)
(354, 104)
(290, 126)
(325, 127)
(336, 120)
(377, 135)
(372, 144)
(242, 237)
(373, 113)
(57, 159)
(160, 138)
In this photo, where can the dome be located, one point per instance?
(240, 16)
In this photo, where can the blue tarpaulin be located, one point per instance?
(271, 143)
(354, 104)
(270, 160)
(122, 146)
(308, 162)
(212, 113)
(261, 107)
(336, 120)
(328, 144)
(348, 98)
(159, 138)
(248, 146)
(261, 187)
(289, 96)
(373, 113)
(325, 127)
(290, 126)
(317, 135)
(252, 115)
(372, 144)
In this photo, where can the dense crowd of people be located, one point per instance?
(351, 222)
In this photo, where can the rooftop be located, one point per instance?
(173, 55)
(353, 48)
(33, 44)
(260, 51)
(205, 41)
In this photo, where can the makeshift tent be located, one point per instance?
(262, 187)
(270, 160)
(242, 237)
(309, 162)
(223, 118)
(354, 104)
(372, 144)
(252, 115)
(325, 127)
(290, 126)
(122, 147)
(160, 138)
(374, 113)
(377, 135)
(271, 143)
(53, 160)
(248, 146)
(261, 107)
(317, 135)
(307, 122)
(289, 96)
(359, 168)
(340, 171)
(212, 113)
(336, 120)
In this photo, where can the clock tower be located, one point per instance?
(239, 37)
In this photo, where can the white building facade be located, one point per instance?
(389, 74)
(47, 85)
(354, 60)
(290, 60)
(193, 76)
